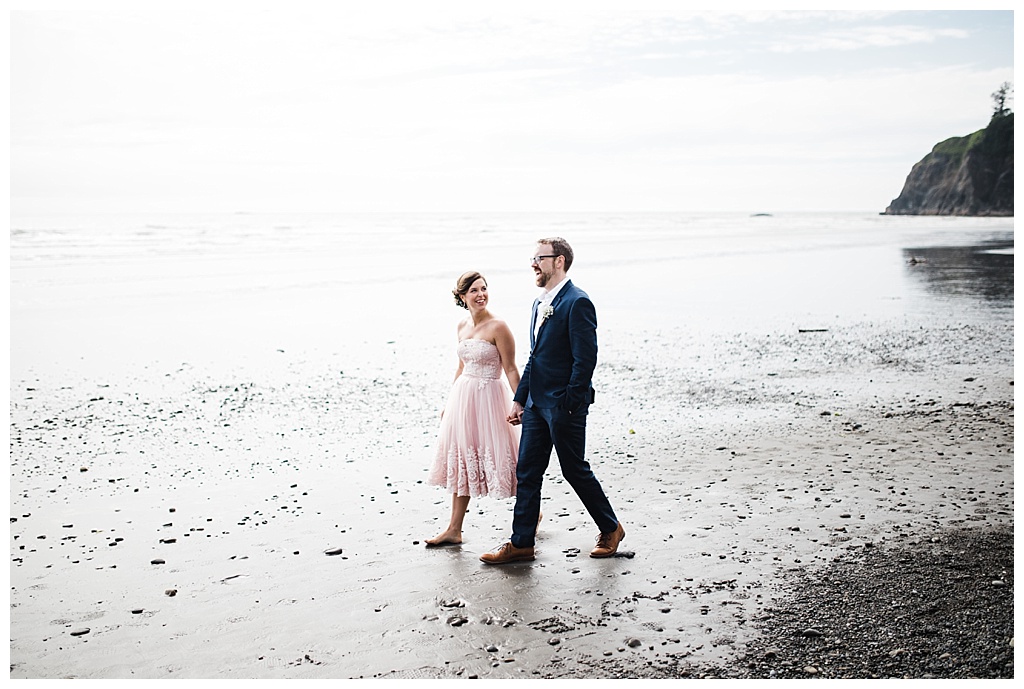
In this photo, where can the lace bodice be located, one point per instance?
(480, 359)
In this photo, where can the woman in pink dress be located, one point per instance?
(477, 448)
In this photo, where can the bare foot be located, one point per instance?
(445, 538)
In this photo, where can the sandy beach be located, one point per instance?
(188, 505)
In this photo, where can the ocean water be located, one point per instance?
(123, 288)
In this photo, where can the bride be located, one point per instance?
(477, 449)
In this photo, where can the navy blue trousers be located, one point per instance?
(544, 429)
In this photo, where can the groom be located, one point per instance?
(551, 403)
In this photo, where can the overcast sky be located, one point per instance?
(401, 106)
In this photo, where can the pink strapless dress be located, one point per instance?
(477, 449)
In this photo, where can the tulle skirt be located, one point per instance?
(477, 448)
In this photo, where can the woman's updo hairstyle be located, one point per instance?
(463, 284)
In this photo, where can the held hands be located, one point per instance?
(515, 417)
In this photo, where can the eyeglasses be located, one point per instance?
(537, 259)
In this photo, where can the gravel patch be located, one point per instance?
(940, 607)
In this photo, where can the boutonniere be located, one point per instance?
(546, 313)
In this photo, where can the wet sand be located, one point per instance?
(265, 518)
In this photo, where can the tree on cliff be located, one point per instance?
(1002, 94)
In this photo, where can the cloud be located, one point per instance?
(364, 109)
(863, 38)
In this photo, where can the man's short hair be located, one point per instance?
(559, 247)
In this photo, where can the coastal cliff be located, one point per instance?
(968, 175)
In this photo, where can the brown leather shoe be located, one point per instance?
(507, 553)
(608, 543)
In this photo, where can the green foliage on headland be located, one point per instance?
(997, 136)
(957, 146)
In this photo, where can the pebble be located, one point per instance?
(811, 670)
(137, 611)
(158, 561)
(633, 642)
(80, 632)
(333, 551)
(811, 633)
(171, 592)
(554, 641)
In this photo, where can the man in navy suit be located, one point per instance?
(552, 402)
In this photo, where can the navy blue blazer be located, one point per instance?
(562, 355)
